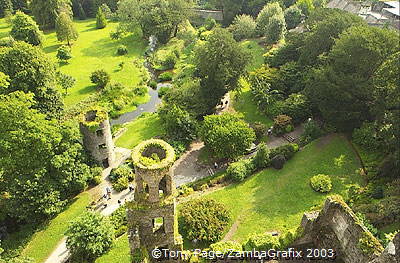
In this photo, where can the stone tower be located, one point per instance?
(97, 138)
(151, 216)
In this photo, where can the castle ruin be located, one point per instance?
(97, 138)
(152, 218)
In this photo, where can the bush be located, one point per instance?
(121, 184)
(101, 21)
(321, 183)
(120, 177)
(185, 190)
(287, 150)
(226, 246)
(162, 91)
(243, 26)
(292, 16)
(153, 84)
(259, 130)
(64, 53)
(278, 161)
(281, 124)
(115, 35)
(166, 76)
(238, 171)
(261, 242)
(366, 136)
(170, 61)
(100, 77)
(311, 132)
(204, 220)
(210, 23)
(119, 221)
(140, 91)
(96, 176)
(122, 50)
(262, 158)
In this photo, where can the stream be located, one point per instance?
(151, 105)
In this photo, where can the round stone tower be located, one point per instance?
(97, 138)
(151, 216)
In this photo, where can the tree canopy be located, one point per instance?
(65, 28)
(46, 11)
(24, 28)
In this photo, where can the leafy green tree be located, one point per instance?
(64, 53)
(324, 33)
(288, 52)
(4, 82)
(220, 62)
(293, 16)
(100, 77)
(30, 70)
(343, 90)
(65, 81)
(226, 135)
(101, 20)
(24, 28)
(178, 123)
(264, 16)
(276, 29)
(90, 236)
(243, 26)
(21, 5)
(42, 161)
(65, 29)
(231, 9)
(306, 6)
(46, 11)
(160, 18)
(261, 160)
(6, 6)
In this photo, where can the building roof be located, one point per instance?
(394, 7)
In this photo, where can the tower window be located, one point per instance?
(103, 146)
(99, 133)
(158, 224)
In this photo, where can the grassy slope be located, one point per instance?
(119, 253)
(256, 51)
(93, 50)
(139, 130)
(46, 240)
(277, 199)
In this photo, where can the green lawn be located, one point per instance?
(256, 51)
(46, 240)
(277, 199)
(119, 253)
(243, 103)
(141, 129)
(93, 50)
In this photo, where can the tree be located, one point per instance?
(30, 70)
(226, 135)
(231, 9)
(64, 53)
(6, 7)
(21, 5)
(46, 11)
(343, 90)
(204, 220)
(160, 18)
(293, 16)
(100, 77)
(276, 29)
(324, 32)
(306, 6)
(264, 16)
(178, 123)
(65, 29)
(220, 62)
(42, 161)
(101, 21)
(89, 236)
(65, 81)
(243, 26)
(4, 82)
(25, 29)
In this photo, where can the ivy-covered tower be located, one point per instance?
(97, 137)
(152, 219)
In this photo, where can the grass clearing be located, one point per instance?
(119, 253)
(141, 129)
(256, 52)
(93, 50)
(45, 241)
(276, 199)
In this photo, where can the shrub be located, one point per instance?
(366, 136)
(101, 21)
(204, 220)
(210, 23)
(185, 190)
(281, 122)
(321, 183)
(262, 159)
(261, 242)
(96, 173)
(292, 16)
(64, 53)
(100, 77)
(259, 130)
(140, 91)
(243, 26)
(115, 35)
(24, 28)
(119, 221)
(237, 171)
(311, 132)
(162, 91)
(90, 236)
(287, 150)
(278, 161)
(166, 76)
(226, 246)
(122, 50)
(170, 61)
(287, 238)
(153, 84)
(120, 177)
(121, 184)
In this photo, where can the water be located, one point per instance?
(151, 105)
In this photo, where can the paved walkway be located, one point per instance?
(61, 253)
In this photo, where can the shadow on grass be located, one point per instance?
(50, 49)
(87, 90)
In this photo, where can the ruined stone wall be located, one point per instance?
(337, 227)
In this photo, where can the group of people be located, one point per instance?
(107, 195)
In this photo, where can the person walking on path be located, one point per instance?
(108, 190)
